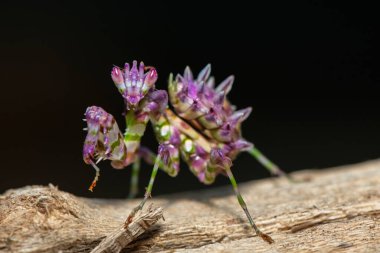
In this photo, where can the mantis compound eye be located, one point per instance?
(134, 83)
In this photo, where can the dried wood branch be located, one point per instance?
(120, 238)
(330, 210)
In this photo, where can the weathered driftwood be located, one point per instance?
(331, 210)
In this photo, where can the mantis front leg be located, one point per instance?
(104, 140)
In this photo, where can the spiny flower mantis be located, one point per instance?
(201, 126)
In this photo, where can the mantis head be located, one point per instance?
(133, 82)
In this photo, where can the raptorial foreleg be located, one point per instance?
(104, 140)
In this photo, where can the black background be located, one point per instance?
(309, 69)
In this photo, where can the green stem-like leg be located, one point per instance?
(268, 164)
(147, 192)
(134, 186)
(241, 201)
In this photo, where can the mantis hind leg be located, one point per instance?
(219, 160)
(243, 205)
(268, 164)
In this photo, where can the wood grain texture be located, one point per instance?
(332, 210)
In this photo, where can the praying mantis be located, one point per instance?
(201, 127)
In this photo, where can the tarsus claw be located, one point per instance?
(266, 237)
(97, 175)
